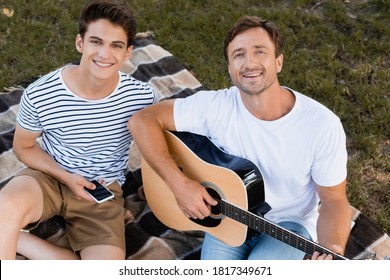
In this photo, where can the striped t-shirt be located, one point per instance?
(88, 137)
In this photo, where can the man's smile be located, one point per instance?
(101, 64)
(252, 74)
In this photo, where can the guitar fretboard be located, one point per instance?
(260, 224)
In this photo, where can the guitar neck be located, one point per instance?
(262, 225)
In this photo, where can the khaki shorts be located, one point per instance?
(87, 223)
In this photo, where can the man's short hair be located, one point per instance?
(248, 22)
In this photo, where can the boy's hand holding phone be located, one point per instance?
(100, 193)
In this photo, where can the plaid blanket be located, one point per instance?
(146, 237)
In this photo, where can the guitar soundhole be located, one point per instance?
(215, 210)
(215, 217)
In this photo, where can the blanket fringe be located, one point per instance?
(10, 89)
(146, 34)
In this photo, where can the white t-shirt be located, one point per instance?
(294, 153)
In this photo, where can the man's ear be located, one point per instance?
(128, 53)
(79, 43)
(279, 63)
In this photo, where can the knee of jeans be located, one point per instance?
(296, 228)
(214, 249)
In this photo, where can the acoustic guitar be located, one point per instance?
(237, 185)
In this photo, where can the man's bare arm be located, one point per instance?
(147, 127)
(31, 154)
(334, 221)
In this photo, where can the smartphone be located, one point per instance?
(100, 193)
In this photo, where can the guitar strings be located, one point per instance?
(262, 225)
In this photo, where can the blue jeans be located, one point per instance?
(257, 247)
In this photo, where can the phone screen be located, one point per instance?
(100, 193)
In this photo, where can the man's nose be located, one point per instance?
(104, 52)
(249, 60)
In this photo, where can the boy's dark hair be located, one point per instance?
(248, 22)
(116, 12)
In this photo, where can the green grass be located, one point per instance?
(335, 52)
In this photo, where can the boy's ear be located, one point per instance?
(128, 52)
(79, 43)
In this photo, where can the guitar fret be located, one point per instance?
(261, 225)
(267, 227)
